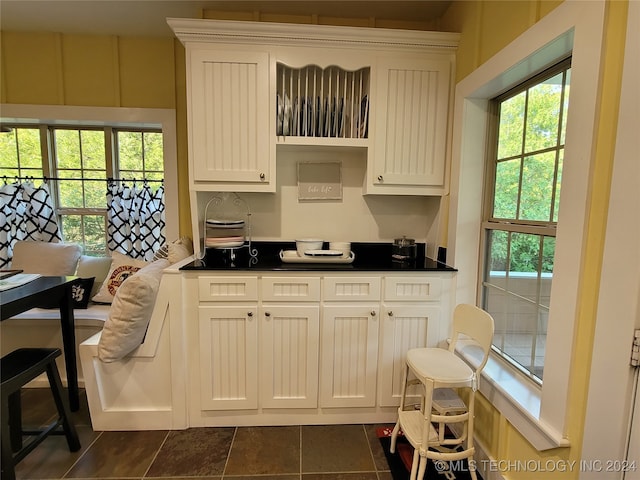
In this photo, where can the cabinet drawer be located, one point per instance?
(227, 289)
(412, 288)
(290, 289)
(351, 289)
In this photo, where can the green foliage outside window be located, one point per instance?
(79, 160)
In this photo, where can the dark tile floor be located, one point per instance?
(322, 452)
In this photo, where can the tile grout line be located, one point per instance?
(144, 475)
(226, 462)
(64, 475)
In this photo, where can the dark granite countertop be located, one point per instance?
(368, 257)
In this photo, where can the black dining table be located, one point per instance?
(49, 292)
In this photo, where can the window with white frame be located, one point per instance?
(524, 173)
(80, 160)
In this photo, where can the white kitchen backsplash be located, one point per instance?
(355, 218)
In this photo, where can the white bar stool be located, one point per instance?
(437, 368)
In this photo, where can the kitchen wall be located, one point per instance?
(114, 71)
(356, 218)
(487, 27)
(99, 71)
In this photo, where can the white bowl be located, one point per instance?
(304, 244)
(344, 247)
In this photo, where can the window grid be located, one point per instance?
(518, 261)
(83, 218)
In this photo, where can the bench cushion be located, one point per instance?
(46, 258)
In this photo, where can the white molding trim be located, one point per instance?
(611, 378)
(77, 115)
(262, 33)
(547, 41)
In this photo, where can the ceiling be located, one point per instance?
(147, 17)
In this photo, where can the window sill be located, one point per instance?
(518, 400)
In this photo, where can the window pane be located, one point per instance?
(524, 255)
(95, 192)
(29, 149)
(93, 151)
(8, 152)
(153, 152)
(511, 126)
(141, 156)
(543, 114)
(20, 154)
(70, 191)
(86, 230)
(518, 297)
(505, 202)
(498, 250)
(518, 266)
(67, 149)
(130, 150)
(537, 187)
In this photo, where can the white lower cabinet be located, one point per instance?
(228, 360)
(349, 355)
(289, 341)
(291, 348)
(402, 327)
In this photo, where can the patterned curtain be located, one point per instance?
(135, 220)
(26, 213)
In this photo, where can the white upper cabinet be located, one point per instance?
(255, 88)
(229, 118)
(412, 105)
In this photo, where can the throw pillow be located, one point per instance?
(130, 313)
(45, 258)
(81, 292)
(122, 267)
(175, 251)
(97, 267)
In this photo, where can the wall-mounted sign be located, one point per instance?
(319, 180)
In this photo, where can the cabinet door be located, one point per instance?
(289, 356)
(402, 327)
(349, 354)
(229, 117)
(228, 357)
(412, 104)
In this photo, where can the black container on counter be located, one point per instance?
(404, 250)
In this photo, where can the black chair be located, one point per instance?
(18, 368)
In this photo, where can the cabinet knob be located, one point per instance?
(249, 314)
(262, 176)
(267, 314)
(390, 313)
(373, 313)
(380, 178)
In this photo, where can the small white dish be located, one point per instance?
(306, 244)
(323, 253)
(225, 223)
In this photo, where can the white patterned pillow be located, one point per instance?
(175, 251)
(122, 267)
(130, 313)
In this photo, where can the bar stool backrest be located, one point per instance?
(472, 326)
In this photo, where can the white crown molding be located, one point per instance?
(223, 31)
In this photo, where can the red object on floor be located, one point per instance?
(403, 448)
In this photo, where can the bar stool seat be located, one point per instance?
(17, 369)
(439, 370)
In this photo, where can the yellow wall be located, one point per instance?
(100, 71)
(487, 27)
(60, 69)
